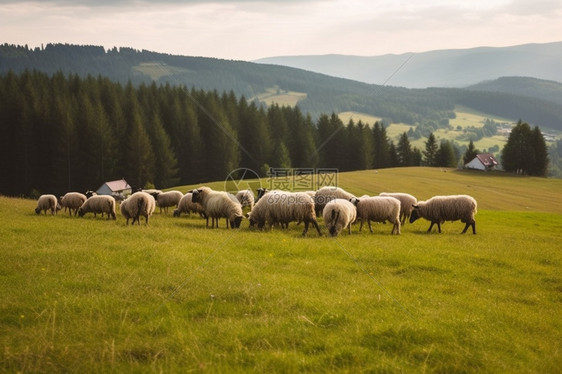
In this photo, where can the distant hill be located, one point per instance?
(441, 68)
(524, 86)
(315, 93)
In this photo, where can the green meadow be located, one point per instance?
(91, 295)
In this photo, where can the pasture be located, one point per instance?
(91, 295)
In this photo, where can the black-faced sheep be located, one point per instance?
(326, 194)
(167, 199)
(378, 209)
(187, 206)
(137, 205)
(73, 201)
(284, 207)
(407, 203)
(246, 198)
(439, 209)
(47, 202)
(219, 204)
(99, 204)
(339, 214)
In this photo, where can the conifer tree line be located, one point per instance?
(65, 133)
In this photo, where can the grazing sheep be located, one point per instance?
(138, 204)
(90, 193)
(73, 201)
(439, 209)
(246, 198)
(407, 203)
(46, 202)
(283, 207)
(339, 214)
(186, 205)
(218, 204)
(167, 199)
(326, 194)
(99, 204)
(379, 209)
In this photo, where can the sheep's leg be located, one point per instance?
(370, 228)
(305, 228)
(315, 223)
(349, 228)
(361, 226)
(439, 227)
(430, 226)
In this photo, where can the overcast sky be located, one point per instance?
(251, 29)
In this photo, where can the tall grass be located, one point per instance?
(90, 295)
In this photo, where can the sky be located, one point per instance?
(253, 29)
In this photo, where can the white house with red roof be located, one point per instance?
(118, 188)
(482, 161)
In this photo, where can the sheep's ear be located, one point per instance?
(415, 206)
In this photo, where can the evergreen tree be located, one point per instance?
(517, 154)
(165, 162)
(470, 153)
(431, 148)
(381, 147)
(393, 160)
(404, 151)
(540, 152)
(445, 156)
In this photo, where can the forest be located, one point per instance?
(62, 133)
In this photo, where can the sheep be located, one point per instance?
(407, 203)
(326, 194)
(90, 193)
(339, 214)
(284, 207)
(218, 204)
(246, 198)
(379, 209)
(439, 209)
(73, 201)
(46, 202)
(167, 199)
(99, 204)
(186, 205)
(136, 205)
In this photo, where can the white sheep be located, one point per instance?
(219, 204)
(328, 193)
(439, 209)
(407, 203)
(283, 207)
(46, 202)
(99, 204)
(167, 199)
(379, 209)
(246, 198)
(339, 214)
(73, 201)
(186, 205)
(137, 205)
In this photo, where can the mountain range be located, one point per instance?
(440, 68)
(532, 98)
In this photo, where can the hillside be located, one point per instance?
(314, 93)
(441, 68)
(524, 86)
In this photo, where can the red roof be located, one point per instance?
(118, 185)
(487, 159)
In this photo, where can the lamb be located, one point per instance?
(379, 209)
(407, 203)
(186, 205)
(218, 204)
(339, 214)
(326, 194)
(99, 204)
(73, 201)
(284, 207)
(439, 209)
(136, 205)
(46, 202)
(167, 199)
(246, 198)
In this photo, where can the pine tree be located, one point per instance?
(540, 152)
(404, 151)
(431, 148)
(517, 154)
(470, 153)
(381, 147)
(165, 162)
(445, 156)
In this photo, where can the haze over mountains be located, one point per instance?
(440, 68)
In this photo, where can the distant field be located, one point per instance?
(283, 98)
(89, 295)
(157, 70)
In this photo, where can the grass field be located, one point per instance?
(90, 295)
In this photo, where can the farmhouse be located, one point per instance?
(482, 161)
(118, 189)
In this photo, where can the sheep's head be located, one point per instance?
(415, 213)
(81, 212)
(354, 201)
(235, 222)
(261, 191)
(37, 210)
(196, 196)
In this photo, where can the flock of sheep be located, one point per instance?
(339, 208)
